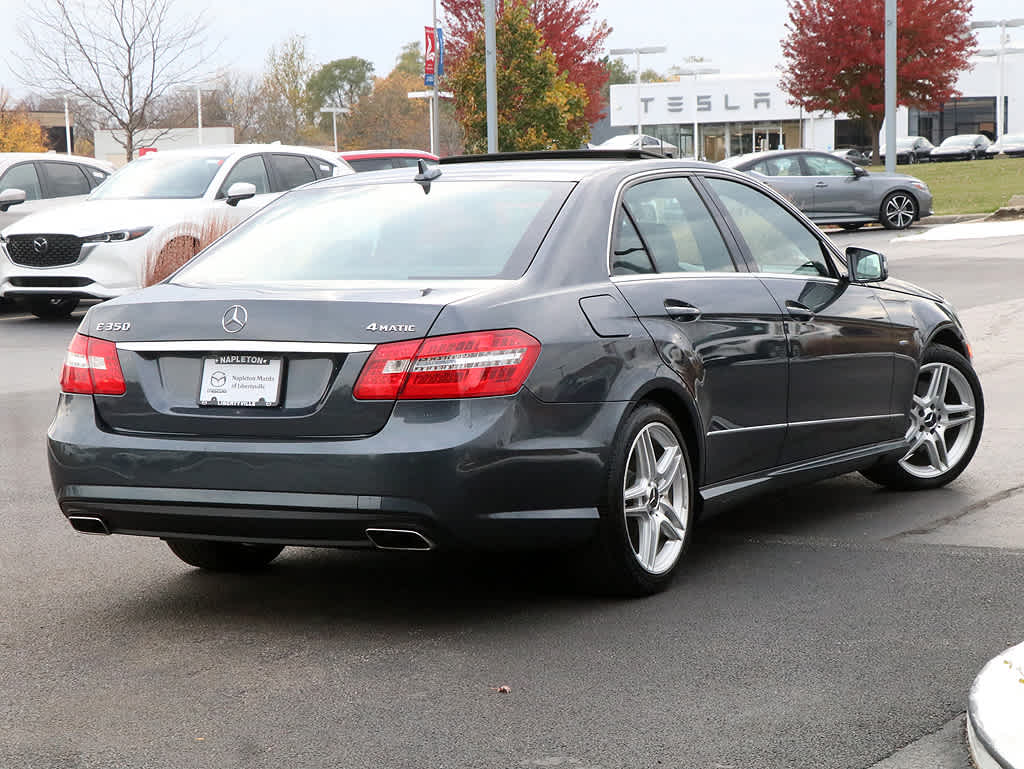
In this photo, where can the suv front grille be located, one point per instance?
(44, 250)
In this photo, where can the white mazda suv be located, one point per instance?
(146, 220)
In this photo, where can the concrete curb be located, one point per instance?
(995, 712)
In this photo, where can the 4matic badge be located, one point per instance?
(391, 327)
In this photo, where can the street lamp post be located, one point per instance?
(434, 115)
(695, 71)
(334, 120)
(1000, 54)
(638, 51)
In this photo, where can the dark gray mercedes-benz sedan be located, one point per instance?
(505, 351)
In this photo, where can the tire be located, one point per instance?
(623, 559)
(223, 556)
(851, 226)
(926, 466)
(912, 158)
(898, 210)
(52, 307)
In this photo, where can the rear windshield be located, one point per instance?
(398, 231)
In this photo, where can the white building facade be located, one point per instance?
(107, 146)
(734, 114)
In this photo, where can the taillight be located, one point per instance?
(91, 367)
(454, 366)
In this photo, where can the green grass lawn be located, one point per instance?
(969, 186)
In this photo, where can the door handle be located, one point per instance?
(821, 184)
(681, 310)
(798, 311)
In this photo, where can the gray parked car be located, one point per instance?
(585, 354)
(46, 180)
(832, 191)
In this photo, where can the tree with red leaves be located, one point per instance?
(566, 28)
(835, 52)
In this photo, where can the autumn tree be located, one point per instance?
(387, 117)
(339, 83)
(567, 28)
(284, 93)
(835, 56)
(538, 107)
(410, 60)
(18, 133)
(122, 57)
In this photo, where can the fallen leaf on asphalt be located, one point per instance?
(502, 689)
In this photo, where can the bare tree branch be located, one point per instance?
(122, 57)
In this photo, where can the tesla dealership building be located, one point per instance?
(734, 114)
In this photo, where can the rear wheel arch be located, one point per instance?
(680, 405)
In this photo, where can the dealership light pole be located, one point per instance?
(435, 138)
(67, 125)
(638, 51)
(491, 74)
(890, 86)
(695, 71)
(1000, 54)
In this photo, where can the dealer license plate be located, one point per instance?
(241, 380)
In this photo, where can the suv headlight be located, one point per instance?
(118, 236)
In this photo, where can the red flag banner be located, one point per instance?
(429, 50)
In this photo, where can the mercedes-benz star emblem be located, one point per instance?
(40, 245)
(218, 379)
(234, 319)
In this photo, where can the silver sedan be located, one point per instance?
(831, 190)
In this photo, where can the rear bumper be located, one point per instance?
(478, 473)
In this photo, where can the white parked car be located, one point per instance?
(146, 220)
(630, 141)
(31, 182)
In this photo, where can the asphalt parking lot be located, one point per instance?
(827, 626)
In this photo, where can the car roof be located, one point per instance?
(240, 149)
(388, 153)
(7, 158)
(535, 167)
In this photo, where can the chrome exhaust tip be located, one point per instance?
(398, 539)
(88, 524)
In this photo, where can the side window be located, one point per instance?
(65, 179)
(787, 165)
(321, 167)
(22, 177)
(291, 170)
(677, 228)
(251, 170)
(96, 176)
(818, 165)
(629, 257)
(778, 241)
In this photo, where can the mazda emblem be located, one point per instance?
(234, 319)
(40, 245)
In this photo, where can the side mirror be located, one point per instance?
(11, 197)
(240, 191)
(859, 171)
(866, 266)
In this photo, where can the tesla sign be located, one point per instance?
(709, 100)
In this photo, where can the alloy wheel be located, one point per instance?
(942, 420)
(655, 498)
(899, 211)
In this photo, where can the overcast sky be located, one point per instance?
(738, 36)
